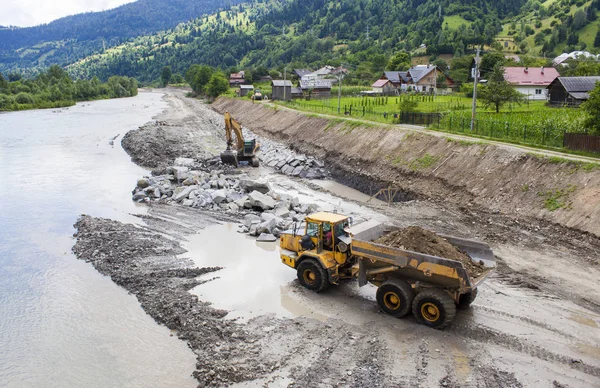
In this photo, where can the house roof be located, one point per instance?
(302, 72)
(573, 55)
(524, 76)
(246, 87)
(580, 95)
(404, 75)
(380, 83)
(280, 82)
(296, 91)
(393, 76)
(578, 84)
(418, 72)
(241, 74)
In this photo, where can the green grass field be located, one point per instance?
(531, 123)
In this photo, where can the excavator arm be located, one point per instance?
(242, 151)
(232, 126)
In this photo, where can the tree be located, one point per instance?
(399, 62)
(597, 39)
(3, 82)
(165, 75)
(592, 109)
(198, 76)
(498, 91)
(217, 85)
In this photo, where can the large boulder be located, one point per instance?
(184, 162)
(249, 219)
(219, 196)
(182, 192)
(250, 185)
(261, 201)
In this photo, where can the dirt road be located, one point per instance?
(533, 324)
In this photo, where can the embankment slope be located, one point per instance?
(499, 179)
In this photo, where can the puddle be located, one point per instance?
(253, 279)
(346, 192)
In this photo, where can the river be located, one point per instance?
(62, 324)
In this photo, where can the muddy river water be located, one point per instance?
(62, 324)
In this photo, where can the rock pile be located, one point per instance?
(213, 186)
(290, 163)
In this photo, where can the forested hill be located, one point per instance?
(271, 33)
(73, 37)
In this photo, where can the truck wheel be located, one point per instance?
(395, 297)
(255, 162)
(312, 275)
(465, 300)
(434, 308)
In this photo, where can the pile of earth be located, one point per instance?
(421, 240)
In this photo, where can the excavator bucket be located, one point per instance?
(229, 157)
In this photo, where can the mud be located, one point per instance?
(534, 322)
(420, 240)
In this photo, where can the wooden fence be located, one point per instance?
(582, 142)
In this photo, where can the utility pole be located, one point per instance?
(284, 82)
(475, 77)
(340, 76)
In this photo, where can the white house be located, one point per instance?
(531, 82)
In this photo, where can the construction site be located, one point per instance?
(298, 250)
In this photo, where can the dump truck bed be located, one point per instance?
(437, 271)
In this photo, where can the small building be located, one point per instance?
(531, 82)
(316, 87)
(237, 78)
(571, 91)
(297, 92)
(245, 89)
(384, 87)
(281, 90)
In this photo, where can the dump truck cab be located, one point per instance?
(321, 240)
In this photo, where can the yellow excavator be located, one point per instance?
(242, 150)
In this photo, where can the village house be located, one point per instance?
(244, 90)
(237, 78)
(424, 78)
(384, 87)
(571, 91)
(420, 78)
(281, 90)
(531, 82)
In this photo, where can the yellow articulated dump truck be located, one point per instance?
(328, 248)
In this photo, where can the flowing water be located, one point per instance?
(62, 324)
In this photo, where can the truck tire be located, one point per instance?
(434, 308)
(395, 297)
(312, 275)
(465, 300)
(255, 162)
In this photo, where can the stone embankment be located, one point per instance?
(289, 162)
(210, 185)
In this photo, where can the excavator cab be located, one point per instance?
(241, 150)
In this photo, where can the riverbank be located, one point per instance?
(497, 179)
(285, 335)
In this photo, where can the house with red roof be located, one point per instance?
(383, 86)
(531, 82)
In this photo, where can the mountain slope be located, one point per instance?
(308, 32)
(73, 37)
